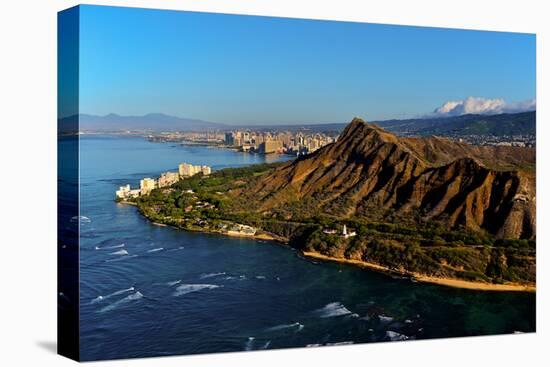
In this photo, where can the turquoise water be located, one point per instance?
(151, 291)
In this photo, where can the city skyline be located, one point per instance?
(238, 70)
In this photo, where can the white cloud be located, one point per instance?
(484, 106)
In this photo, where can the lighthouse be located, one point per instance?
(345, 233)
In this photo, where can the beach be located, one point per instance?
(449, 282)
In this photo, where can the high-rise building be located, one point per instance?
(122, 192)
(237, 139)
(270, 146)
(125, 192)
(229, 138)
(146, 185)
(188, 170)
(168, 179)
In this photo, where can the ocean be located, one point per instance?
(147, 290)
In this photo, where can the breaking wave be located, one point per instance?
(110, 247)
(394, 336)
(333, 309)
(171, 284)
(156, 249)
(103, 298)
(384, 318)
(295, 325)
(211, 275)
(119, 252)
(234, 277)
(249, 343)
(177, 248)
(127, 299)
(189, 288)
(81, 219)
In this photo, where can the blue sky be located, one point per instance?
(261, 70)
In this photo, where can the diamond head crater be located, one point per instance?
(430, 208)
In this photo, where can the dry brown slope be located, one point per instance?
(371, 173)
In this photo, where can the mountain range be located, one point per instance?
(152, 121)
(503, 124)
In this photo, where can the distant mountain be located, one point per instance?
(152, 121)
(374, 175)
(523, 123)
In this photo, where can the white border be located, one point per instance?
(28, 195)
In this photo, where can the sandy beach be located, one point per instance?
(449, 282)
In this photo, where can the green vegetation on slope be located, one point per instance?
(523, 123)
(213, 204)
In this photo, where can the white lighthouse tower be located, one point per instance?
(345, 233)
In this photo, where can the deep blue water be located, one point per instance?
(151, 291)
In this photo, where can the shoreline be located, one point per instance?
(448, 282)
(263, 235)
(127, 203)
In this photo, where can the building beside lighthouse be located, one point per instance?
(347, 234)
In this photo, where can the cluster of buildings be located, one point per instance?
(125, 192)
(255, 141)
(199, 137)
(526, 141)
(277, 142)
(241, 230)
(188, 170)
(166, 179)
